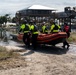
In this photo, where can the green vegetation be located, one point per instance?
(72, 38)
(10, 59)
(4, 54)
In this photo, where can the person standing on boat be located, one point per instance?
(66, 29)
(25, 29)
(55, 28)
(34, 31)
(44, 28)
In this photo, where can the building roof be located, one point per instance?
(40, 7)
(44, 10)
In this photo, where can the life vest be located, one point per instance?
(25, 28)
(34, 29)
(55, 28)
(44, 29)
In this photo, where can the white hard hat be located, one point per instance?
(43, 22)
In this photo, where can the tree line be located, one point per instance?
(6, 18)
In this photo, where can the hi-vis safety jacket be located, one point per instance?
(44, 29)
(24, 28)
(55, 28)
(34, 29)
(29, 26)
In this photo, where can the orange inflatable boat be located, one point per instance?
(51, 39)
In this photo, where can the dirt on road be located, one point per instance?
(46, 60)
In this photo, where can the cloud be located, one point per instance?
(69, 3)
(12, 6)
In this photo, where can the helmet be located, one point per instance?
(54, 22)
(43, 23)
(25, 21)
(31, 22)
(65, 23)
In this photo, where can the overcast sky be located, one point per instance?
(12, 6)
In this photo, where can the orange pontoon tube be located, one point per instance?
(51, 39)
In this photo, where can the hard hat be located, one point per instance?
(54, 22)
(43, 23)
(25, 21)
(65, 23)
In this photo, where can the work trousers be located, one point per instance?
(65, 41)
(34, 40)
(26, 39)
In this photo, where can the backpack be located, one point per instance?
(66, 28)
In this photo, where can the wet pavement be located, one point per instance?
(72, 49)
(43, 49)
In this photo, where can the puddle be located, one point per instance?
(9, 43)
(72, 49)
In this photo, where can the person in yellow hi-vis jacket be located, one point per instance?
(44, 29)
(25, 29)
(55, 28)
(34, 31)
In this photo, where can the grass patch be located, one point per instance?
(10, 59)
(4, 54)
(72, 37)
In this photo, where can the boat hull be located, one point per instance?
(51, 39)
